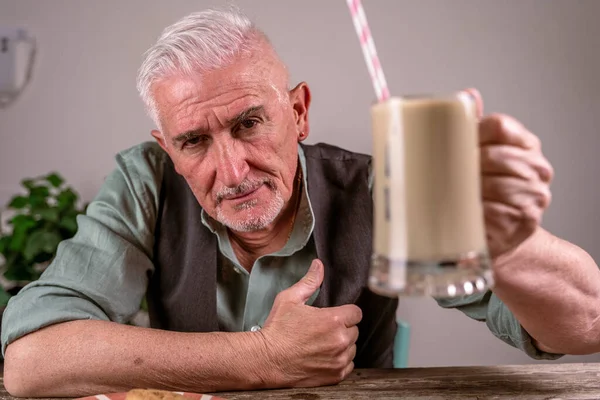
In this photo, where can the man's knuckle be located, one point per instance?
(543, 198)
(531, 213)
(486, 154)
(346, 371)
(550, 171)
(497, 122)
(337, 319)
(340, 362)
(504, 126)
(548, 198)
(359, 313)
(342, 341)
(281, 297)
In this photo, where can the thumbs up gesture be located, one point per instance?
(310, 346)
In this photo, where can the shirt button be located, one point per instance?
(255, 328)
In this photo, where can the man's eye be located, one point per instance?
(195, 141)
(249, 123)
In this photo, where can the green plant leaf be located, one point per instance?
(44, 217)
(18, 239)
(23, 221)
(39, 191)
(41, 242)
(28, 183)
(66, 199)
(48, 214)
(18, 202)
(40, 208)
(4, 243)
(69, 223)
(4, 297)
(43, 257)
(11, 258)
(20, 272)
(52, 241)
(55, 179)
(22, 226)
(38, 201)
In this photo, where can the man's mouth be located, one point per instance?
(241, 193)
(242, 196)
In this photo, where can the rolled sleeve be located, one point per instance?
(488, 308)
(102, 272)
(38, 306)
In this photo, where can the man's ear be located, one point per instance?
(160, 138)
(300, 100)
(162, 142)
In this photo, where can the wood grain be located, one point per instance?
(543, 382)
(526, 382)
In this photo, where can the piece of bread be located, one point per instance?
(152, 394)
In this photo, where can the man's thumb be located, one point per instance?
(301, 291)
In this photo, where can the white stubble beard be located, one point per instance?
(255, 223)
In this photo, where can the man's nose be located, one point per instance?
(232, 167)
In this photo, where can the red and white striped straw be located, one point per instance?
(368, 48)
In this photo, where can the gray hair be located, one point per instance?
(199, 42)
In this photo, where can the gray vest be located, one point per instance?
(182, 290)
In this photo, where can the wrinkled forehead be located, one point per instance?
(249, 77)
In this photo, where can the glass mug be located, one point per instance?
(429, 235)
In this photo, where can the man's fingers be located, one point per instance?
(515, 161)
(515, 192)
(503, 129)
(353, 334)
(349, 314)
(351, 352)
(347, 371)
(301, 291)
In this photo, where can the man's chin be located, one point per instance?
(246, 206)
(252, 215)
(246, 220)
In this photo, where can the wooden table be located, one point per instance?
(522, 382)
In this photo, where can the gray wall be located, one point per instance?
(537, 60)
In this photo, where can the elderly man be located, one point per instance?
(254, 250)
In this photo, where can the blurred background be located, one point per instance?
(538, 60)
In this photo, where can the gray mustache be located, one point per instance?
(244, 187)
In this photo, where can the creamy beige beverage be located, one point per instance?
(427, 193)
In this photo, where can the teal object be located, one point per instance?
(401, 345)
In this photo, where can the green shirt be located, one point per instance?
(102, 272)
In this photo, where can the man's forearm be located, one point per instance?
(100, 357)
(553, 288)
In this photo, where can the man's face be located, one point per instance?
(232, 133)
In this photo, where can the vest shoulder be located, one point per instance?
(324, 151)
(339, 167)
